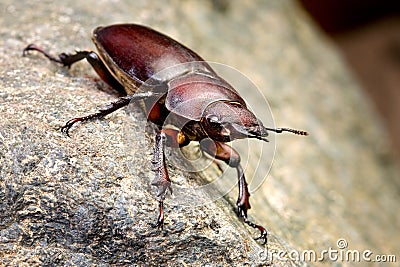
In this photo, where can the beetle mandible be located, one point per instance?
(133, 56)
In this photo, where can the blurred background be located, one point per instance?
(368, 34)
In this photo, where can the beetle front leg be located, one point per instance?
(231, 157)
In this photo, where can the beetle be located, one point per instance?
(175, 83)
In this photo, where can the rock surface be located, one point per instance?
(87, 200)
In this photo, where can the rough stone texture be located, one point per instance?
(87, 200)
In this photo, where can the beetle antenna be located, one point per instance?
(280, 130)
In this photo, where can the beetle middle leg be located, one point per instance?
(120, 103)
(231, 157)
(161, 180)
(172, 138)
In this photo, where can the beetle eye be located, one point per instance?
(213, 121)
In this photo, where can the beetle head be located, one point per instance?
(226, 121)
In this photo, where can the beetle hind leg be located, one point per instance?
(68, 59)
(231, 157)
(63, 58)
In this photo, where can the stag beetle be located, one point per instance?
(134, 56)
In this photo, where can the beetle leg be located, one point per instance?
(231, 157)
(68, 59)
(121, 102)
(33, 47)
(161, 180)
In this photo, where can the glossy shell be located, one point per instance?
(189, 95)
(136, 53)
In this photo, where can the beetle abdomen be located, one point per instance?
(141, 52)
(136, 53)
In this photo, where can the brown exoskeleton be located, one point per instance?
(201, 104)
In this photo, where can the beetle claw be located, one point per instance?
(65, 129)
(66, 132)
(263, 236)
(242, 212)
(160, 220)
(68, 125)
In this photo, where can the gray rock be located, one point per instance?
(87, 200)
